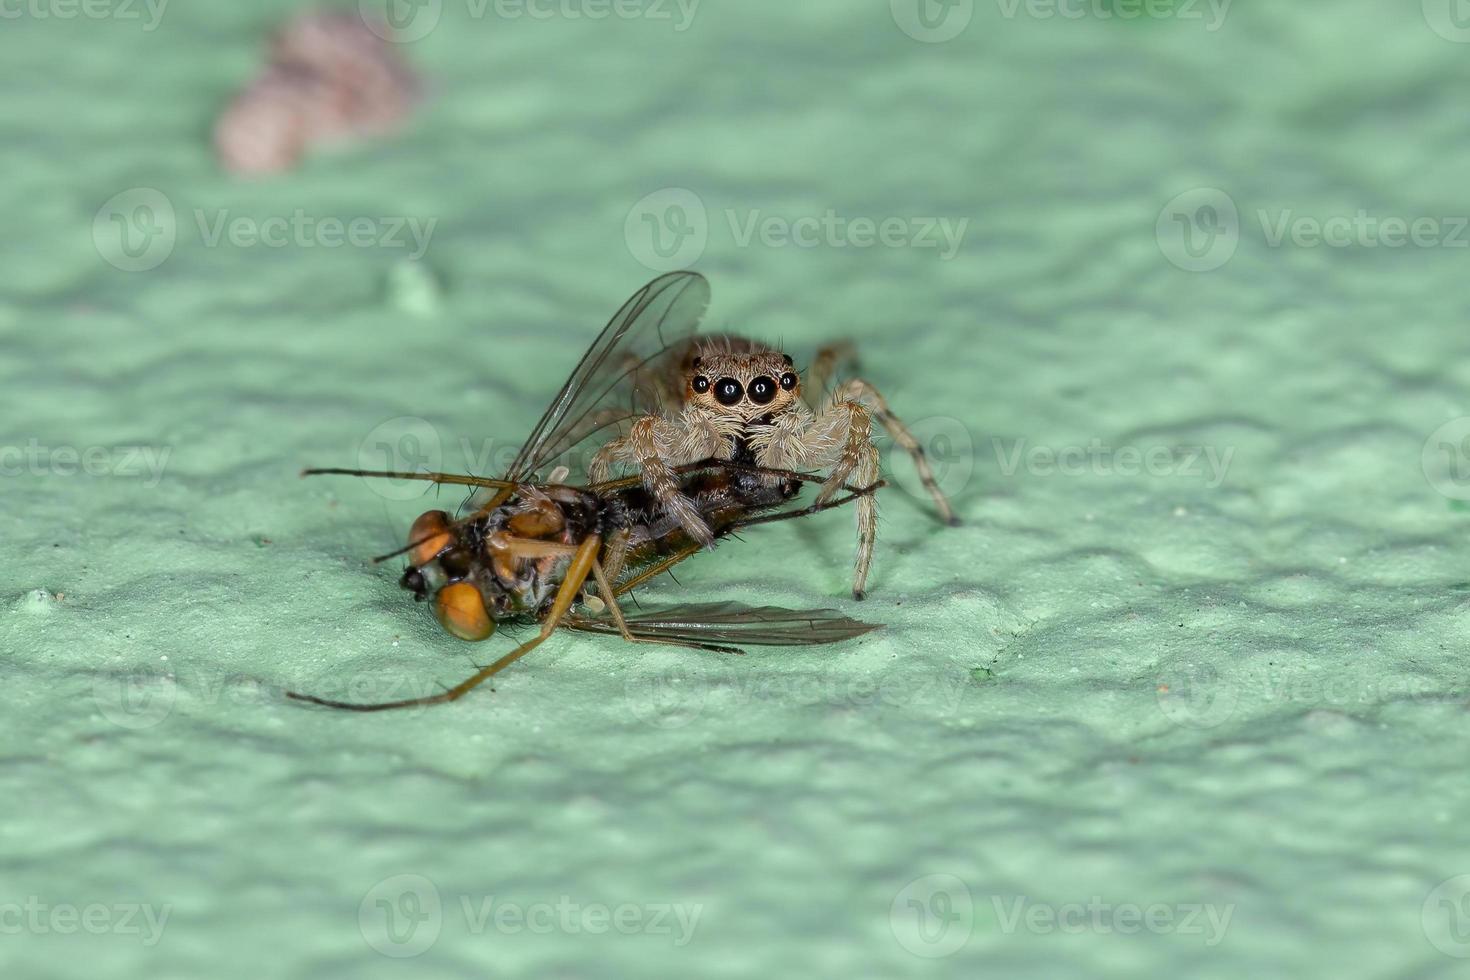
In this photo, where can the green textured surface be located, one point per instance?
(1109, 693)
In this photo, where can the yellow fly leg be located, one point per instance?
(577, 572)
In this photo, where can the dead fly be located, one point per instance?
(532, 549)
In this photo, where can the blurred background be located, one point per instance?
(1172, 290)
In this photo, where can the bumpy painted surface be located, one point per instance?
(1147, 714)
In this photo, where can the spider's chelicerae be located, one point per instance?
(738, 399)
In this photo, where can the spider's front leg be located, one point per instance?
(839, 441)
(655, 445)
(845, 429)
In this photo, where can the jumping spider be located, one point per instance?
(741, 400)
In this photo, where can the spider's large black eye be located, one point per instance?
(762, 390)
(700, 384)
(788, 381)
(728, 391)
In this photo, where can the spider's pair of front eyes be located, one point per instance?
(728, 391)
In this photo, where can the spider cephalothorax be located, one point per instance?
(740, 379)
(741, 400)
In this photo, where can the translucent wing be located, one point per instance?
(733, 622)
(620, 374)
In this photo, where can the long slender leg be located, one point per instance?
(691, 550)
(824, 365)
(654, 570)
(576, 575)
(615, 554)
(610, 599)
(816, 508)
(657, 445)
(714, 464)
(597, 486)
(857, 457)
(861, 391)
(457, 479)
(507, 487)
(605, 588)
(867, 522)
(529, 547)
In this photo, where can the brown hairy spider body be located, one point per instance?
(736, 399)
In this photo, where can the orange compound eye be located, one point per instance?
(432, 530)
(461, 612)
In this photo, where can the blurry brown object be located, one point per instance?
(332, 78)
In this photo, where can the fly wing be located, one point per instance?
(620, 374)
(733, 622)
